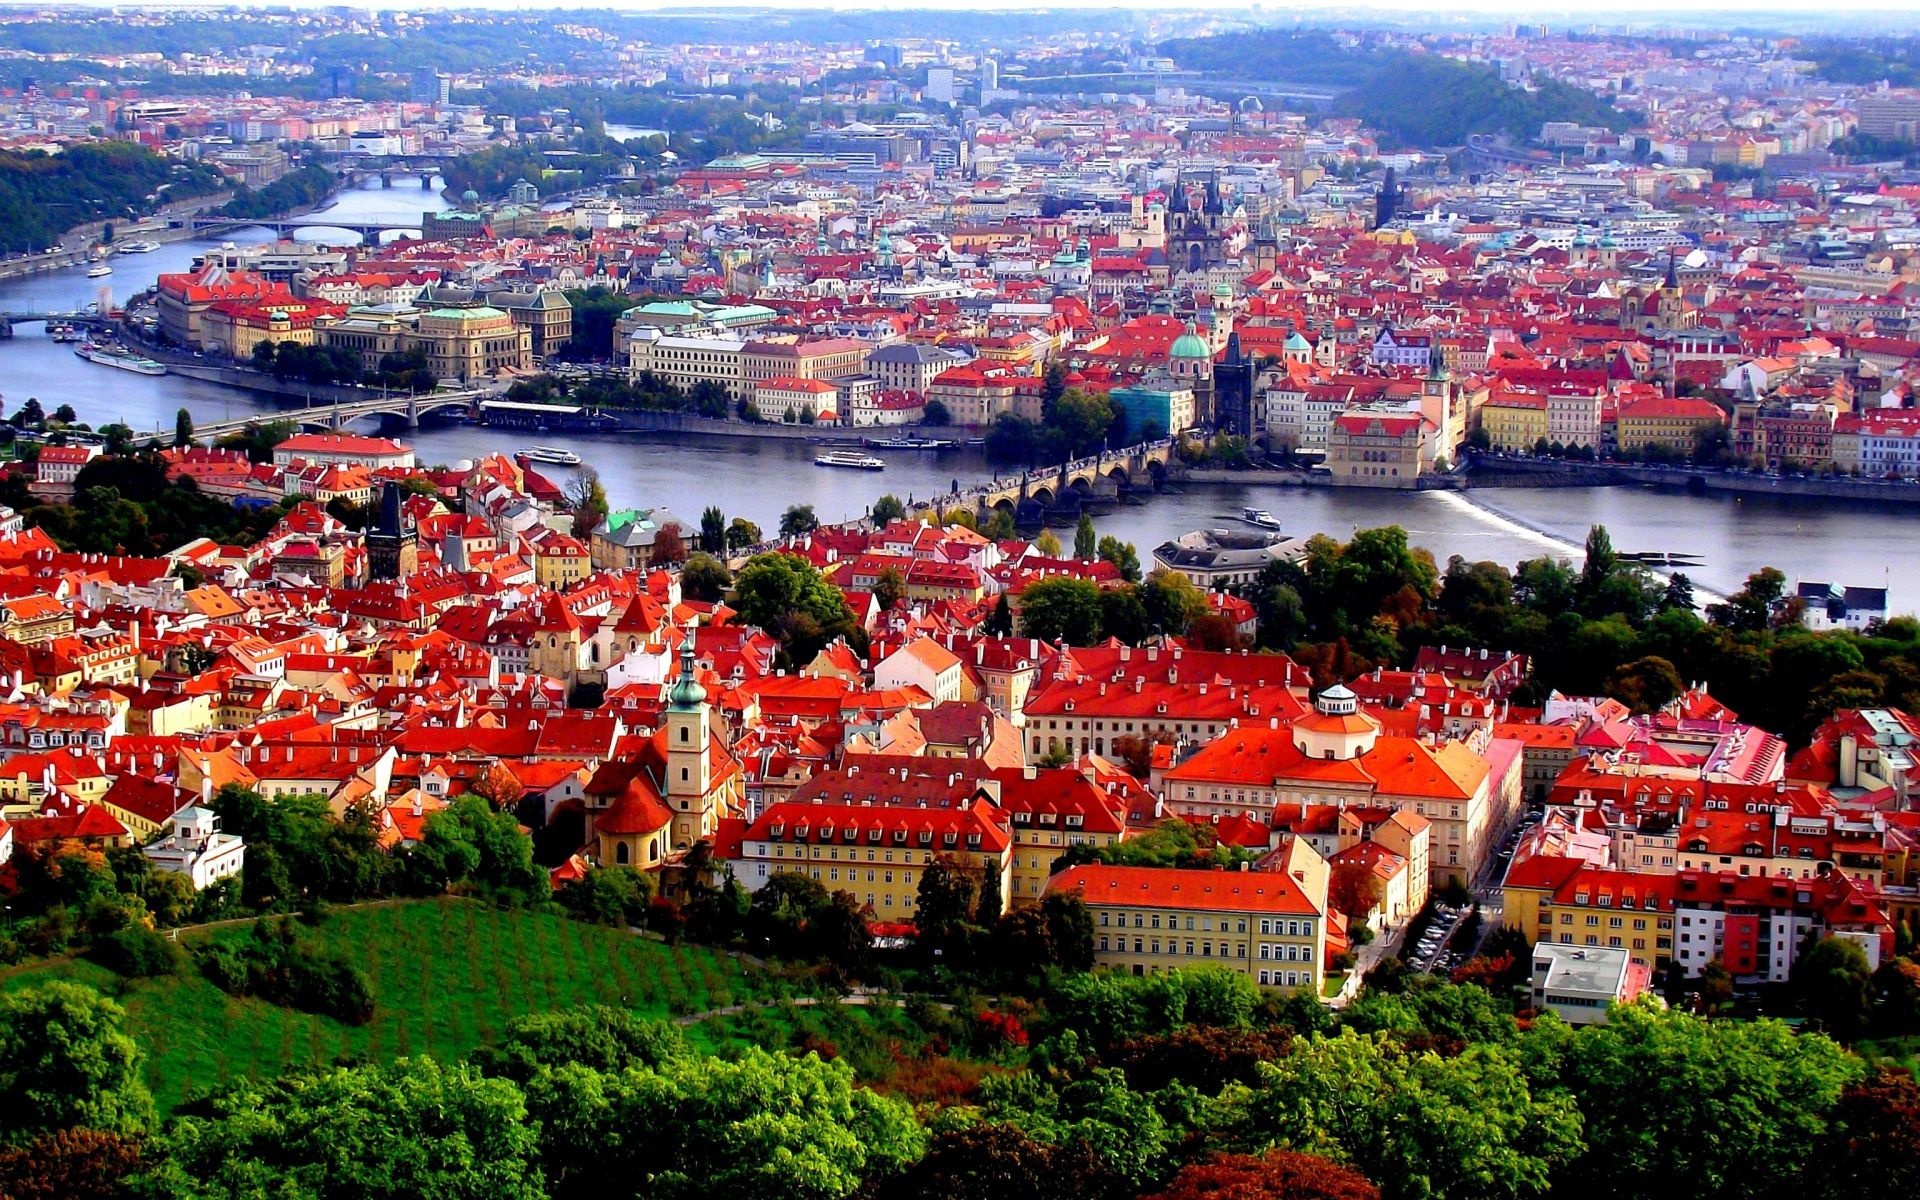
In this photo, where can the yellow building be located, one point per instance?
(472, 343)
(875, 853)
(1552, 899)
(1263, 924)
(1514, 421)
(789, 357)
(1049, 813)
(1377, 448)
(1674, 423)
(559, 562)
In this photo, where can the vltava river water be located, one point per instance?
(1862, 545)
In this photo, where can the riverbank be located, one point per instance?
(1499, 471)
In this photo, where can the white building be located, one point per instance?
(197, 849)
(1573, 417)
(1579, 982)
(924, 664)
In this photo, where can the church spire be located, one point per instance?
(686, 693)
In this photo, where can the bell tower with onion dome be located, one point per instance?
(689, 782)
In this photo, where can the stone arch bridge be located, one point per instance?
(1109, 473)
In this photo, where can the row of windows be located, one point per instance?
(833, 874)
(886, 898)
(1566, 918)
(1286, 952)
(853, 855)
(1664, 943)
(1152, 946)
(1206, 923)
(1286, 978)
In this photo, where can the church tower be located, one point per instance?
(393, 550)
(689, 782)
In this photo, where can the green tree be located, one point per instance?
(1678, 1106)
(705, 578)
(1418, 1123)
(936, 413)
(586, 498)
(742, 533)
(1751, 608)
(798, 520)
(1122, 555)
(713, 530)
(889, 588)
(1835, 984)
(1172, 601)
(762, 1124)
(1646, 684)
(1081, 420)
(999, 622)
(467, 845)
(183, 428)
(888, 509)
(411, 1129)
(1047, 544)
(65, 1061)
(1086, 546)
(947, 899)
(1061, 610)
(595, 1036)
(785, 596)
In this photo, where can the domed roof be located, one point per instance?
(470, 196)
(1223, 290)
(686, 691)
(1190, 345)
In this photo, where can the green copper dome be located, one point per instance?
(686, 691)
(1190, 345)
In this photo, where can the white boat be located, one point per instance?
(96, 272)
(142, 247)
(1260, 517)
(548, 454)
(126, 360)
(851, 459)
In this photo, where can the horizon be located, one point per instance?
(1734, 12)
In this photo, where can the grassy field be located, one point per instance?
(447, 976)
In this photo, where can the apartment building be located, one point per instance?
(1263, 924)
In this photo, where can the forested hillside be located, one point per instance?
(44, 195)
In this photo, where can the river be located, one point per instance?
(1846, 543)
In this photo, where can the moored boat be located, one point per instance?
(849, 459)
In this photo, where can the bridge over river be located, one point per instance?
(1109, 473)
(409, 406)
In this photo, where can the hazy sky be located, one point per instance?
(1892, 11)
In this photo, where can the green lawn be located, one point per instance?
(447, 976)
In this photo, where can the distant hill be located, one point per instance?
(44, 195)
(1412, 99)
(1427, 100)
(1302, 56)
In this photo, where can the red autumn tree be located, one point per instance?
(1275, 1175)
(1873, 1139)
(68, 1164)
(1353, 889)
